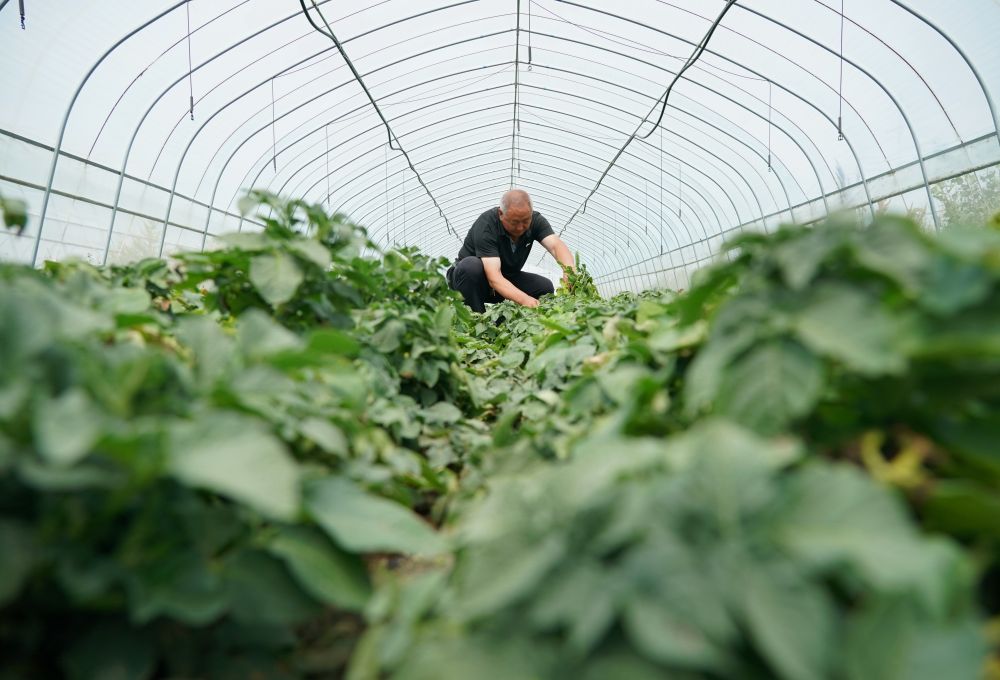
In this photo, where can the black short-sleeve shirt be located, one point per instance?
(488, 238)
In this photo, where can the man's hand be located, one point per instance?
(503, 287)
(558, 250)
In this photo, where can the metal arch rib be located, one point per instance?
(975, 72)
(69, 110)
(330, 34)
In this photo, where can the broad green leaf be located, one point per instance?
(247, 204)
(962, 508)
(388, 338)
(581, 603)
(15, 212)
(326, 435)
(889, 641)
(704, 377)
(17, 557)
(45, 477)
(852, 327)
(512, 358)
(790, 621)
(884, 624)
(443, 319)
(771, 386)
(836, 515)
(212, 350)
(442, 412)
(276, 276)
(260, 336)
(332, 341)
(313, 251)
(361, 522)
(246, 240)
(952, 651)
(236, 457)
(892, 247)
(494, 577)
(950, 285)
(66, 427)
(675, 337)
(327, 573)
(181, 585)
(666, 637)
(263, 592)
(127, 301)
(801, 256)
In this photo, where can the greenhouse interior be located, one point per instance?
(285, 392)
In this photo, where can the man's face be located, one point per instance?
(516, 220)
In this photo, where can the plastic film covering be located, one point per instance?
(134, 128)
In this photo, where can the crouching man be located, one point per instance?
(488, 268)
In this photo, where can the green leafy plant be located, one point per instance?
(577, 281)
(296, 455)
(15, 213)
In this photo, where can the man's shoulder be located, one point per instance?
(539, 225)
(483, 223)
(488, 217)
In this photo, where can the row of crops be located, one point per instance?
(281, 459)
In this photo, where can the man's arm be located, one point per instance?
(506, 289)
(558, 250)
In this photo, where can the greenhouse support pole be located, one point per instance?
(892, 98)
(65, 122)
(972, 67)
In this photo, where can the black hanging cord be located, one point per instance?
(840, 89)
(357, 76)
(702, 46)
(20, 6)
(187, 8)
(350, 64)
(690, 62)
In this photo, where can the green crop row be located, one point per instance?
(296, 456)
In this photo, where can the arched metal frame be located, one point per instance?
(722, 189)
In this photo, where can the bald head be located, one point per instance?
(515, 212)
(515, 198)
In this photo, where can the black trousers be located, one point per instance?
(469, 278)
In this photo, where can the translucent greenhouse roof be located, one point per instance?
(413, 118)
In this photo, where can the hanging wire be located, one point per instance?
(20, 6)
(326, 134)
(661, 191)
(698, 51)
(680, 188)
(386, 199)
(515, 127)
(769, 125)
(840, 87)
(357, 76)
(187, 9)
(530, 3)
(274, 135)
(628, 223)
